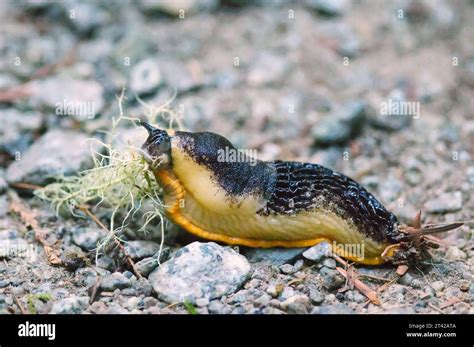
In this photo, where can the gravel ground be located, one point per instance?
(301, 81)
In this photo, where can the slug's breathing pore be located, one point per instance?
(272, 204)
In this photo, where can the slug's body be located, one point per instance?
(264, 204)
(276, 204)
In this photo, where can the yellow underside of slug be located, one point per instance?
(194, 202)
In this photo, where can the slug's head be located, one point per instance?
(157, 147)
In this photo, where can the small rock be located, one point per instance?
(149, 302)
(9, 234)
(286, 293)
(267, 69)
(464, 285)
(240, 297)
(298, 265)
(274, 289)
(238, 310)
(406, 279)
(73, 258)
(417, 284)
(316, 297)
(201, 302)
(5, 301)
(263, 300)
(200, 270)
(297, 304)
(68, 97)
(438, 286)
(341, 126)
(215, 306)
(400, 310)
(272, 310)
(16, 129)
(318, 251)
(331, 278)
(145, 77)
(87, 16)
(390, 188)
(143, 286)
(142, 249)
(346, 41)
(274, 256)
(287, 269)
(181, 78)
(332, 309)
(447, 202)
(392, 116)
(329, 263)
(106, 262)
(329, 8)
(129, 275)
(146, 266)
(72, 305)
(129, 292)
(58, 152)
(86, 238)
(4, 283)
(114, 281)
(87, 276)
(454, 254)
(175, 8)
(420, 306)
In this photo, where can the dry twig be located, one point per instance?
(117, 242)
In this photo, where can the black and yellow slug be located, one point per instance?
(266, 204)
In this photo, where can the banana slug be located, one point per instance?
(268, 204)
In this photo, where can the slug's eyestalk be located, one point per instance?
(157, 147)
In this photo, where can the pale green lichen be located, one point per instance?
(120, 181)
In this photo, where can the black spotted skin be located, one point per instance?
(305, 186)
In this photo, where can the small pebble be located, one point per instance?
(114, 281)
(437, 286)
(287, 269)
(330, 263)
(215, 306)
(315, 253)
(201, 302)
(464, 285)
(454, 253)
(316, 297)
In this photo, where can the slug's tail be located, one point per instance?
(415, 241)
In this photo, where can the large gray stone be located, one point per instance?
(58, 152)
(200, 270)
